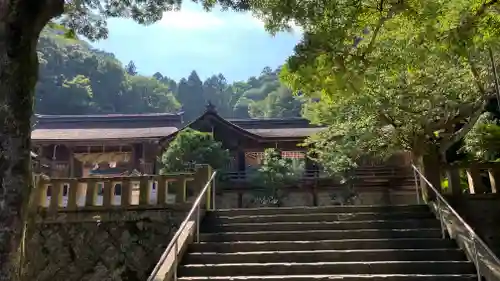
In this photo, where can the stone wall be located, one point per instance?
(482, 213)
(334, 196)
(112, 245)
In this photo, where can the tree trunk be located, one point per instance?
(21, 22)
(428, 160)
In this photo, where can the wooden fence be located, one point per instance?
(471, 178)
(129, 192)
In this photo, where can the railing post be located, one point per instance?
(198, 224)
(441, 219)
(126, 198)
(56, 198)
(161, 190)
(73, 195)
(108, 195)
(494, 175)
(91, 196)
(213, 193)
(415, 177)
(40, 194)
(476, 185)
(144, 192)
(176, 249)
(201, 177)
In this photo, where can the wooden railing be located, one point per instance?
(67, 194)
(362, 173)
(454, 225)
(472, 178)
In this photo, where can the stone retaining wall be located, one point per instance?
(94, 246)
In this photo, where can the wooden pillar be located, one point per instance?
(40, 195)
(201, 177)
(454, 184)
(178, 188)
(56, 197)
(126, 199)
(161, 193)
(71, 161)
(143, 157)
(91, 193)
(108, 196)
(241, 160)
(73, 195)
(144, 191)
(133, 156)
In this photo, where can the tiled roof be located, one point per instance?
(158, 125)
(269, 123)
(101, 133)
(272, 129)
(99, 127)
(109, 121)
(286, 132)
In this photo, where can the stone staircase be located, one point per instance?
(351, 243)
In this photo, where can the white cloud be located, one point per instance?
(192, 18)
(189, 19)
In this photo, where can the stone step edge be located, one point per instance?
(338, 263)
(323, 241)
(323, 263)
(329, 277)
(388, 207)
(325, 222)
(324, 251)
(320, 214)
(322, 230)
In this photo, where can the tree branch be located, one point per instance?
(390, 14)
(388, 119)
(475, 73)
(463, 131)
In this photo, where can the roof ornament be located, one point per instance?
(211, 107)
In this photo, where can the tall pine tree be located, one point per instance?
(190, 95)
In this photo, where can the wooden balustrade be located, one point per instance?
(472, 178)
(364, 172)
(129, 192)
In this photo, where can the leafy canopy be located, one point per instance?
(483, 141)
(387, 75)
(88, 17)
(193, 147)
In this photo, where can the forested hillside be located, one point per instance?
(77, 79)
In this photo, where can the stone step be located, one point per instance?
(354, 277)
(336, 225)
(347, 244)
(317, 217)
(321, 235)
(383, 267)
(312, 256)
(325, 209)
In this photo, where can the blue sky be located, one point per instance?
(234, 44)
